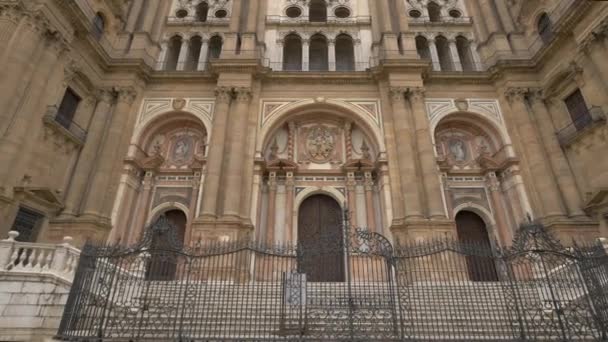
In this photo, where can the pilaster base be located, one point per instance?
(422, 230)
(221, 229)
(81, 229)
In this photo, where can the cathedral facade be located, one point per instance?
(267, 118)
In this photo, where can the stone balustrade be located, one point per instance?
(59, 260)
(35, 280)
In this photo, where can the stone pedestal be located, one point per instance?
(423, 230)
(81, 229)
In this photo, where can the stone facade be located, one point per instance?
(234, 112)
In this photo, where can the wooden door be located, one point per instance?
(320, 239)
(471, 228)
(165, 248)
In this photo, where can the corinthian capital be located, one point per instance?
(397, 93)
(417, 93)
(243, 94)
(104, 95)
(126, 94)
(223, 94)
(516, 94)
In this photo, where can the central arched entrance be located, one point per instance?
(471, 228)
(320, 239)
(163, 256)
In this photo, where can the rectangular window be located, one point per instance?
(578, 110)
(27, 224)
(67, 108)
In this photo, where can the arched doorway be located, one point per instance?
(163, 256)
(471, 228)
(320, 239)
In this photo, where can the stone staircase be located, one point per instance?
(216, 311)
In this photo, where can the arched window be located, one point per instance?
(201, 11)
(422, 47)
(318, 53)
(465, 53)
(99, 25)
(175, 46)
(345, 53)
(317, 11)
(544, 28)
(215, 47)
(434, 11)
(292, 52)
(444, 54)
(194, 53)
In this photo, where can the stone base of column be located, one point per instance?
(221, 229)
(423, 230)
(81, 229)
(573, 230)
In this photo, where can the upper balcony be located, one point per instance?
(582, 126)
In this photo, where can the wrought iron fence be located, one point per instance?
(357, 288)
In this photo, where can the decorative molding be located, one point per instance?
(151, 108)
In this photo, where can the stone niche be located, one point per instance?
(319, 144)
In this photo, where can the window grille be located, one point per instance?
(27, 223)
(98, 26)
(67, 108)
(578, 110)
(544, 28)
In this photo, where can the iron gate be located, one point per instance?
(249, 291)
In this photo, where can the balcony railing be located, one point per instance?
(278, 19)
(64, 124)
(443, 21)
(316, 67)
(573, 131)
(190, 20)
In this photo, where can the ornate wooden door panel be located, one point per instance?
(320, 236)
(470, 227)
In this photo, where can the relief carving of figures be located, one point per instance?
(458, 150)
(320, 144)
(182, 149)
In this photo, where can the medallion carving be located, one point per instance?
(320, 144)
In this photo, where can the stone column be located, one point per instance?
(279, 56)
(505, 233)
(215, 156)
(505, 16)
(406, 155)
(149, 15)
(160, 63)
(489, 16)
(455, 57)
(271, 215)
(94, 205)
(88, 154)
(331, 54)
(143, 207)
(202, 59)
(183, 54)
(478, 65)
(289, 210)
(543, 178)
(19, 139)
(598, 54)
(434, 54)
(426, 155)
(305, 54)
(134, 14)
(369, 202)
(351, 195)
(236, 152)
(561, 168)
(27, 39)
(193, 205)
